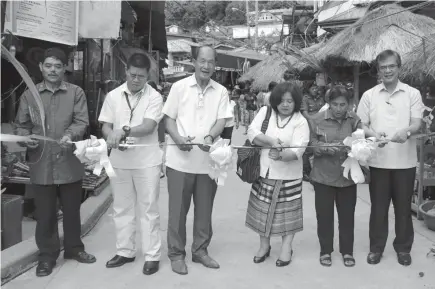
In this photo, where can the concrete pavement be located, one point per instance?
(234, 246)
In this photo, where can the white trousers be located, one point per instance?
(136, 197)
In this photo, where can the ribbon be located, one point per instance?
(14, 138)
(95, 150)
(362, 150)
(221, 160)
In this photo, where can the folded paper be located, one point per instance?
(95, 150)
(362, 150)
(221, 160)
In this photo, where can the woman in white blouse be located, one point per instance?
(275, 202)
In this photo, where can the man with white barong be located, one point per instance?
(131, 113)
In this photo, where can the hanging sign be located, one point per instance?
(54, 21)
(99, 19)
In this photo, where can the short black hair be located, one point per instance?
(139, 60)
(272, 85)
(337, 91)
(56, 53)
(198, 49)
(388, 53)
(279, 91)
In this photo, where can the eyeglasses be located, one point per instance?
(138, 77)
(200, 100)
(388, 67)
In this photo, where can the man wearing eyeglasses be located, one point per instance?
(392, 111)
(196, 110)
(131, 113)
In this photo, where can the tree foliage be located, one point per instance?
(194, 14)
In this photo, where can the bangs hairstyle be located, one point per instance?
(279, 91)
(388, 53)
(337, 91)
(55, 53)
(139, 60)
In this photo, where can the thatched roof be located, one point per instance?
(420, 60)
(375, 32)
(274, 66)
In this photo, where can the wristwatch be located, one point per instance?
(126, 130)
(408, 134)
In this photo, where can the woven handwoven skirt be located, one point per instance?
(275, 207)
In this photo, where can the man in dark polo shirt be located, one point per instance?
(54, 169)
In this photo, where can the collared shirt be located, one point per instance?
(325, 129)
(116, 111)
(389, 113)
(295, 133)
(266, 100)
(195, 112)
(66, 113)
(312, 105)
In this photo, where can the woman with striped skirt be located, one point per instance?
(275, 202)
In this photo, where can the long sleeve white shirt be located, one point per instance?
(295, 133)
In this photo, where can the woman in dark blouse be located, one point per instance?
(332, 126)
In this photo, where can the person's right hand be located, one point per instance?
(184, 143)
(115, 138)
(32, 144)
(333, 148)
(381, 139)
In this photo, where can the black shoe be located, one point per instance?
(81, 257)
(118, 261)
(374, 258)
(150, 267)
(44, 268)
(263, 258)
(280, 263)
(404, 259)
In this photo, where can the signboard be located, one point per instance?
(54, 21)
(99, 19)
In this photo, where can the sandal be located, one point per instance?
(325, 260)
(348, 260)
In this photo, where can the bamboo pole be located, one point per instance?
(356, 69)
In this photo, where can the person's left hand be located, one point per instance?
(274, 154)
(65, 141)
(400, 137)
(207, 143)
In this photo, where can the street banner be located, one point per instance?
(54, 21)
(99, 19)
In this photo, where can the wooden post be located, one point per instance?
(356, 68)
(150, 40)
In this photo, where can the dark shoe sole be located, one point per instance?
(150, 272)
(120, 264)
(374, 261)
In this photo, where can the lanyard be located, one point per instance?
(129, 105)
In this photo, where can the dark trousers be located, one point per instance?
(345, 201)
(47, 235)
(388, 185)
(181, 188)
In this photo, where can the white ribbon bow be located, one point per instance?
(221, 160)
(95, 150)
(362, 150)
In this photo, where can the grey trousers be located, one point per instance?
(181, 187)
